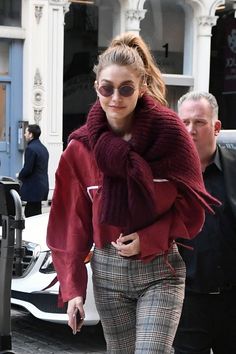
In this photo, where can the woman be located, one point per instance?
(130, 183)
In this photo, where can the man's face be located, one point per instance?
(198, 119)
(28, 135)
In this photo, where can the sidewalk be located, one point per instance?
(46, 206)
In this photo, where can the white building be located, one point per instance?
(48, 48)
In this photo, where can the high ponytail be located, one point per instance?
(130, 49)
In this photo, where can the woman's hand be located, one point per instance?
(75, 312)
(128, 245)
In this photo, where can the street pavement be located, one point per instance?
(31, 335)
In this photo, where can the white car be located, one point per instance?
(38, 273)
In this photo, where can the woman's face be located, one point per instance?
(118, 108)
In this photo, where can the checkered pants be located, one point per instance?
(139, 304)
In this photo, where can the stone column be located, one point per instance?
(133, 18)
(132, 12)
(56, 13)
(43, 73)
(203, 52)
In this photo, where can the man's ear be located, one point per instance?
(217, 127)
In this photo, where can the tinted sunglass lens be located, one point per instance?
(126, 91)
(106, 91)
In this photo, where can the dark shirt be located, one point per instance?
(211, 264)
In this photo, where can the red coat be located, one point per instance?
(74, 219)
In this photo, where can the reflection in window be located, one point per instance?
(4, 57)
(10, 13)
(2, 112)
(174, 93)
(163, 29)
(80, 53)
(109, 22)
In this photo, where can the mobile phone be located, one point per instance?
(77, 320)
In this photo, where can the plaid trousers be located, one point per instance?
(139, 303)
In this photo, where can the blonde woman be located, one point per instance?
(130, 183)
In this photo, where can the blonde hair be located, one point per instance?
(197, 96)
(130, 49)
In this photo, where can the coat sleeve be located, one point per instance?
(29, 163)
(180, 215)
(69, 233)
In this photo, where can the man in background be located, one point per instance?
(208, 318)
(34, 174)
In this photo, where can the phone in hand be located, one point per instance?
(77, 320)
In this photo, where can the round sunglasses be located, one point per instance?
(108, 90)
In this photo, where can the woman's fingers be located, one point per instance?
(127, 246)
(75, 311)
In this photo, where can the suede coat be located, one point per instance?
(100, 174)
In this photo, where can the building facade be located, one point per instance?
(48, 49)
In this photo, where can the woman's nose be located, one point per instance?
(116, 94)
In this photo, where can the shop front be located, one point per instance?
(11, 51)
(60, 41)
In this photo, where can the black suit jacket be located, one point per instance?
(228, 160)
(34, 174)
(211, 262)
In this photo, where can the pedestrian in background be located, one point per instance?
(129, 182)
(34, 174)
(208, 319)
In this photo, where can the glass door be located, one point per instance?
(4, 108)
(10, 105)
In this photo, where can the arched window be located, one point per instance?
(163, 28)
(167, 30)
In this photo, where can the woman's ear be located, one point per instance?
(143, 89)
(96, 86)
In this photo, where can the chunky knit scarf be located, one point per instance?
(160, 148)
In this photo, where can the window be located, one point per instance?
(2, 112)
(108, 22)
(4, 57)
(10, 13)
(80, 53)
(4, 71)
(163, 29)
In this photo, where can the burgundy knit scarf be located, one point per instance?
(160, 148)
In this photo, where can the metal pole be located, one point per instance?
(9, 225)
(6, 262)
(19, 250)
